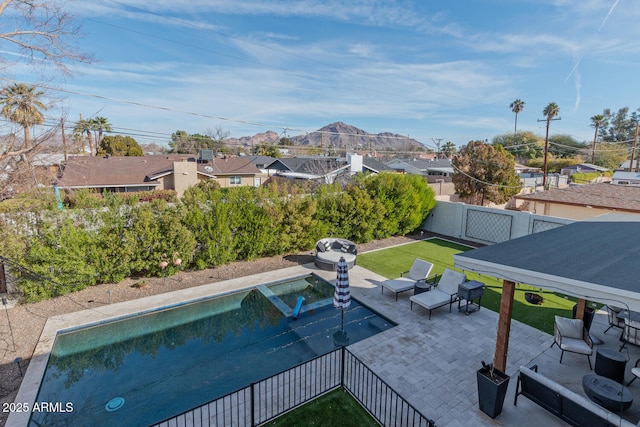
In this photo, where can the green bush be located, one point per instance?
(114, 236)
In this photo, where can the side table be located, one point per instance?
(611, 364)
(470, 291)
(421, 286)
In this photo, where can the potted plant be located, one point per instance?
(492, 389)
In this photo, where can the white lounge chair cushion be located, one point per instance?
(450, 280)
(400, 284)
(441, 295)
(570, 328)
(576, 345)
(432, 299)
(420, 269)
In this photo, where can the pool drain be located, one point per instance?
(114, 404)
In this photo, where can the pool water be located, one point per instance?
(143, 369)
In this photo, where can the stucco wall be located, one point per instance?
(486, 225)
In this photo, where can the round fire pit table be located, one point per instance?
(611, 364)
(607, 393)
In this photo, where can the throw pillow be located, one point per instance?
(327, 246)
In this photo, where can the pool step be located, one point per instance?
(284, 308)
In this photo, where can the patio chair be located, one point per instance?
(418, 273)
(571, 335)
(445, 292)
(630, 333)
(614, 320)
(635, 371)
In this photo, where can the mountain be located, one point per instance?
(340, 136)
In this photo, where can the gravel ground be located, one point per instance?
(28, 320)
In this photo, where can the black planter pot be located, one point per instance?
(492, 390)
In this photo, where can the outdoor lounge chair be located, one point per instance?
(571, 335)
(445, 292)
(419, 271)
(630, 333)
(615, 321)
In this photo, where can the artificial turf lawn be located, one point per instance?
(390, 262)
(336, 408)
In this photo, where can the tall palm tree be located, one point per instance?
(21, 104)
(550, 111)
(596, 121)
(516, 106)
(100, 124)
(84, 126)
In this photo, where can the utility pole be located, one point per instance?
(633, 150)
(546, 151)
(64, 139)
(437, 141)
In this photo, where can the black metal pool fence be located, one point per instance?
(271, 397)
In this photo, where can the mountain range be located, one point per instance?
(337, 135)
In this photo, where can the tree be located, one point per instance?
(596, 121)
(516, 106)
(523, 145)
(21, 104)
(184, 143)
(485, 173)
(550, 111)
(267, 149)
(565, 146)
(619, 126)
(118, 145)
(99, 125)
(40, 33)
(449, 149)
(82, 127)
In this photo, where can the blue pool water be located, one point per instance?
(144, 369)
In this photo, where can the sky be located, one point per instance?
(430, 70)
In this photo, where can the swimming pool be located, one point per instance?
(143, 369)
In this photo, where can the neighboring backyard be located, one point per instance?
(392, 261)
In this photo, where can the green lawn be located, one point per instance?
(391, 262)
(336, 408)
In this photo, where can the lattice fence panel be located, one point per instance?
(541, 225)
(488, 226)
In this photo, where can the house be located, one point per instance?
(627, 178)
(583, 201)
(324, 168)
(161, 172)
(582, 168)
(431, 167)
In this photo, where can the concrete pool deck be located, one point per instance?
(431, 363)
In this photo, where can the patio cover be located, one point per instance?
(596, 260)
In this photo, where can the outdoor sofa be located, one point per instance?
(330, 249)
(573, 408)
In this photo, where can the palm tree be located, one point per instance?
(100, 124)
(550, 111)
(596, 121)
(84, 126)
(21, 104)
(516, 106)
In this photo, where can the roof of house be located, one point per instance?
(261, 161)
(307, 165)
(600, 195)
(374, 165)
(93, 171)
(586, 166)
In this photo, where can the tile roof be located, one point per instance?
(96, 171)
(600, 195)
